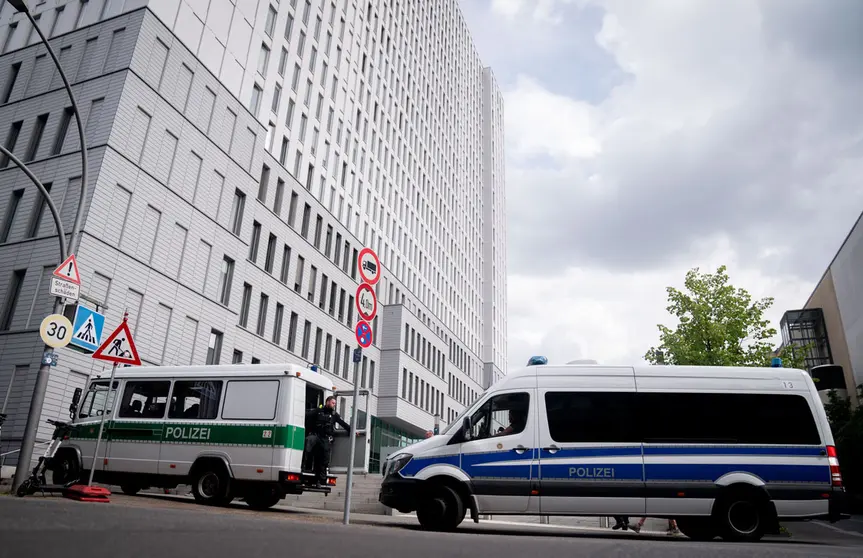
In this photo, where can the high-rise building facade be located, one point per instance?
(242, 152)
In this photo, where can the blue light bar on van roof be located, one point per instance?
(534, 360)
(314, 368)
(776, 362)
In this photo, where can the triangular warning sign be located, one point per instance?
(68, 270)
(119, 347)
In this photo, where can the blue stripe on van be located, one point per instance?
(713, 471)
(735, 450)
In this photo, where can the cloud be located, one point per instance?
(644, 138)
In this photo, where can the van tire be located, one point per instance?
(130, 489)
(742, 515)
(441, 509)
(700, 529)
(211, 484)
(65, 468)
(263, 497)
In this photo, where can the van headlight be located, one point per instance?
(396, 463)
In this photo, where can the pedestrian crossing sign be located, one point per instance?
(87, 328)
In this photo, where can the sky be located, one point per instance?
(648, 137)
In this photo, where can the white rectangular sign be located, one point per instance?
(64, 289)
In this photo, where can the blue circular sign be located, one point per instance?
(364, 334)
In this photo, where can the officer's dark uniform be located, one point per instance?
(320, 437)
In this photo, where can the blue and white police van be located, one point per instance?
(726, 451)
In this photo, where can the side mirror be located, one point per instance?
(76, 398)
(466, 428)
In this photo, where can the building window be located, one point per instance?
(313, 278)
(237, 358)
(245, 304)
(11, 141)
(214, 347)
(62, 130)
(298, 279)
(256, 239)
(14, 70)
(264, 184)
(292, 332)
(304, 228)
(237, 212)
(277, 326)
(11, 210)
(307, 334)
(226, 280)
(262, 314)
(286, 264)
(12, 296)
(36, 215)
(271, 254)
(270, 25)
(255, 102)
(36, 138)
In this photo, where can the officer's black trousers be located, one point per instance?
(318, 449)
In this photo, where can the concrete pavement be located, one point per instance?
(172, 526)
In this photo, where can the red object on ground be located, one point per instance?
(84, 493)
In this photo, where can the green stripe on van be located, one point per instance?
(291, 437)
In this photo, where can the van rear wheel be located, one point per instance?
(741, 516)
(441, 510)
(211, 485)
(263, 497)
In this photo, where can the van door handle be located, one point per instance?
(552, 449)
(519, 449)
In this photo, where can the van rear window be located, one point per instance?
(727, 418)
(251, 400)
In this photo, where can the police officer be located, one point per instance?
(320, 437)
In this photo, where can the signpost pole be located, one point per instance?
(354, 413)
(102, 423)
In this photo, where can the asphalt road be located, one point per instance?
(147, 527)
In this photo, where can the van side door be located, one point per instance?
(135, 433)
(590, 451)
(191, 425)
(498, 457)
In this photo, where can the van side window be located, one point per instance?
(196, 400)
(95, 400)
(727, 418)
(591, 417)
(251, 400)
(502, 415)
(144, 399)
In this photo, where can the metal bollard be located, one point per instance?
(603, 522)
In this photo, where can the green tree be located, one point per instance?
(718, 325)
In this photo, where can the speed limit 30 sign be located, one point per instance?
(56, 331)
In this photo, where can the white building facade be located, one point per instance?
(241, 154)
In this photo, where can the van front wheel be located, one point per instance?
(441, 510)
(697, 528)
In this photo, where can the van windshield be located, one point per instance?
(456, 424)
(96, 401)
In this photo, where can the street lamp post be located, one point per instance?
(37, 401)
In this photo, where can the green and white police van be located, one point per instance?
(233, 431)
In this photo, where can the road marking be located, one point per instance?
(828, 526)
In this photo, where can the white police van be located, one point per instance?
(725, 451)
(230, 431)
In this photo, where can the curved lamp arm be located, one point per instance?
(54, 213)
